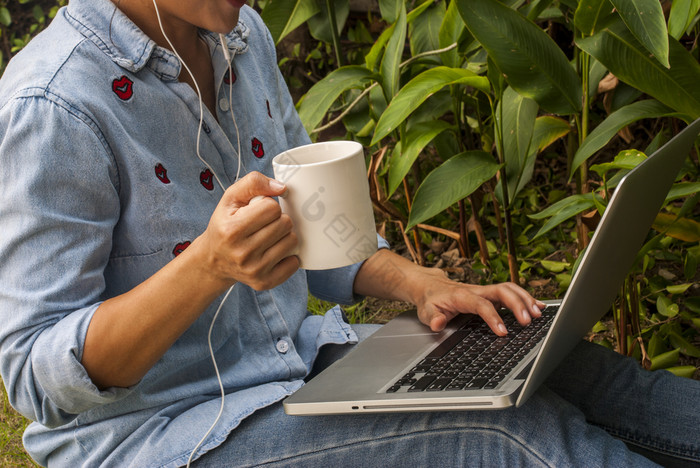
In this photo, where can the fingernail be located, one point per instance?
(541, 304)
(536, 310)
(502, 328)
(276, 185)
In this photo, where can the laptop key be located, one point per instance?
(438, 384)
(421, 384)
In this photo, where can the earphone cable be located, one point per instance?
(199, 134)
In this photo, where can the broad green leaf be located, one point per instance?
(683, 189)
(390, 70)
(678, 288)
(548, 129)
(375, 52)
(563, 210)
(621, 53)
(320, 25)
(591, 14)
(666, 307)
(518, 126)
(555, 267)
(531, 61)
(454, 180)
(603, 133)
(284, 17)
(681, 16)
(415, 141)
(665, 360)
(322, 95)
(425, 29)
(625, 160)
(5, 16)
(656, 346)
(645, 19)
(418, 90)
(536, 8)
(685, 229)
(682, 371)
(450, 30)
(687, 348)
(390, 9)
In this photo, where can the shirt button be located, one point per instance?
(282, 346)
(223, 104)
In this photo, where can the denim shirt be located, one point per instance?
(100, 187)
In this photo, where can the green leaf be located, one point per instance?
(625, 160)
(656, 346)
(425, 28)
(563, 210)
(681, 16)
(678, 288)
(319, 24)
(531, 61)
(390, 9)
(645, 19)
(454, 180)
(390, 70)
(418, 90)
(682, 371)
(621, 53)
(603, 133)
(591, 14)
(5, 17)
(665, 360)
(666, 307)
(687, 348)
(416, 139)
(548, 129)
(324, 93)
(555, 267)
(450, 30)
(518, 126)
(284, 17)
(375, 52)
(685, 229)
(683, 189)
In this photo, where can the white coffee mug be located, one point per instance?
(328, 201)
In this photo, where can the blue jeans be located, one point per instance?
(597, 409)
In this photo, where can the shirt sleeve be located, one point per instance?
(59, 203)
(336, 285)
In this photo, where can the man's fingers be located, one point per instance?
(250, 187)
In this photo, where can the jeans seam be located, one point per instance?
(649, 443)
(510, 437)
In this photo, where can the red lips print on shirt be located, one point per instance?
(162, 173)
(206, 177)
(257, 148)
(123, 87)
(179, 248)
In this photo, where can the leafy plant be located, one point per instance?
(460, 100)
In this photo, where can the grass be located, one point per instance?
(12, 426)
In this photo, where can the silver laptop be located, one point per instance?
(405, 366)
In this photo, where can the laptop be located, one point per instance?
(405, 366)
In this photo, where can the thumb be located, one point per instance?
(252, 185)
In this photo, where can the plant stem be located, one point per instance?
(510, 240)
(330, 4)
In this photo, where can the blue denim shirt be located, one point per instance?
(100, 187)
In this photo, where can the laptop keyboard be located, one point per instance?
(473, 357)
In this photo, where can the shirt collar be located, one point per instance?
(121, 40)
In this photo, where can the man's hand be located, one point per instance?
(439, 299)
(250, 242)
